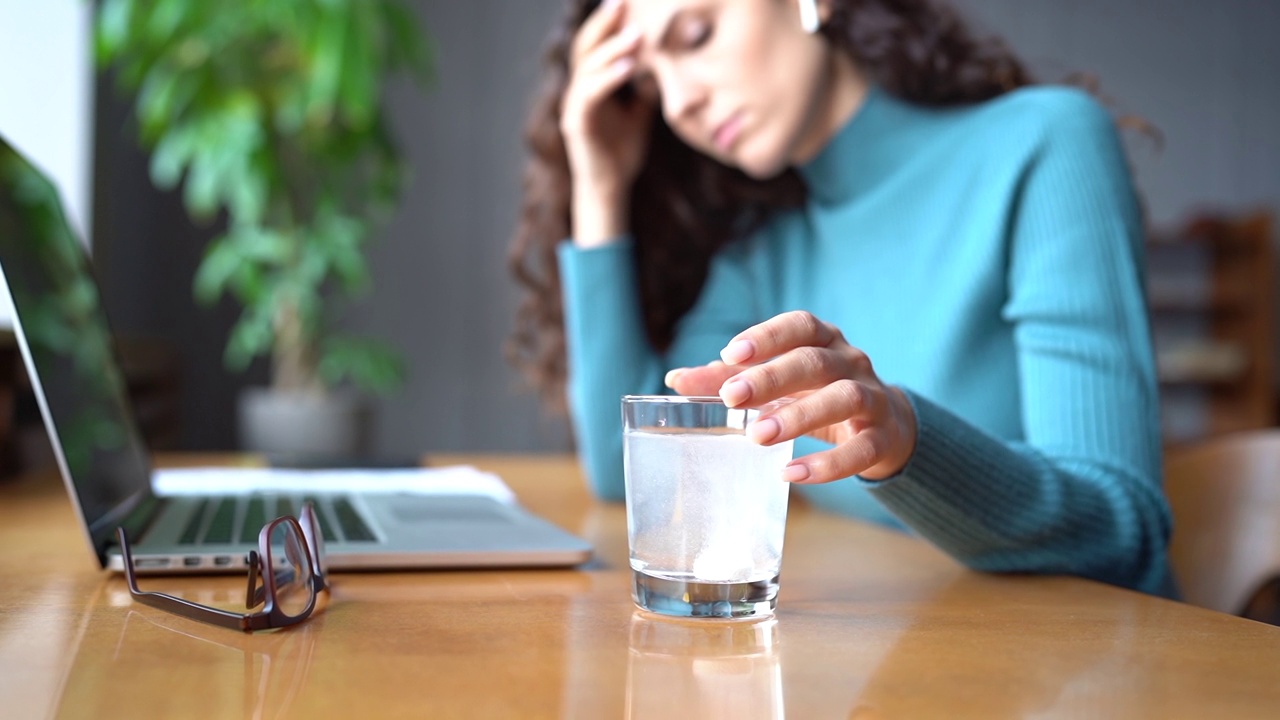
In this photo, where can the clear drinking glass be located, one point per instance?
(706, 507)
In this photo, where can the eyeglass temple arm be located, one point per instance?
(311, 531)
(193, 611)
(257, 594)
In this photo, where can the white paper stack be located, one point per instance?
(450, 480)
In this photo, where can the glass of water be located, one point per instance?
(706, 507)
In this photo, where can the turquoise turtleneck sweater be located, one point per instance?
(988, 260)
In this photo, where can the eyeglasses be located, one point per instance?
(290, 563)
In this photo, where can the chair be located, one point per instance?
(1225, 496)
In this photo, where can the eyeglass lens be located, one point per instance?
(290, 568)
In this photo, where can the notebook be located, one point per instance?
(370, 520)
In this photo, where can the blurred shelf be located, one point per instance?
(1221, 234)
(1232, 300)
(1203, 363)
(1216, 274)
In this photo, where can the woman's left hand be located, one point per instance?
(836, 397)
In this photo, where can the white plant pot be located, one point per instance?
(302, 425)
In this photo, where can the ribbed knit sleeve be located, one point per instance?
(1080, 493)
(607, 353)
(610, 356)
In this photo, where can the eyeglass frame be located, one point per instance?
(271, 616)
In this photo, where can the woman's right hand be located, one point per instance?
(605, 135)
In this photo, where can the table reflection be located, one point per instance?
(703, 669)
(258, 676)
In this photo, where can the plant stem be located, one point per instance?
(294, 354)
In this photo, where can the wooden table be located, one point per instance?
(871, 624)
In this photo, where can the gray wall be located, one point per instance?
(1203, 72)
(443, 288)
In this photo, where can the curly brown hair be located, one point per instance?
(686, 206)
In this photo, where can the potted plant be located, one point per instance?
(268, 115)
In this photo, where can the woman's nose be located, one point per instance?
(681, 97)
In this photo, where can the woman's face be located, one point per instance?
(739, 80)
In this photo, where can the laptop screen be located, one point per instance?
(68, 348)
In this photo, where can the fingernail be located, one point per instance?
(738, 351)
(763, 430)
(735, 392)
(623, 65)
(670, 379)
(796, 472)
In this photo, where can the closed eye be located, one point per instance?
(696, 34)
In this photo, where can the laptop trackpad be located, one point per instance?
(451, 530)
(413, 509)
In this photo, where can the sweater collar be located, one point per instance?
(846, 164)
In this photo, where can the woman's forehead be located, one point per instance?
(653, 17)
(660, 22)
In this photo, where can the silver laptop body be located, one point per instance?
(71, 358)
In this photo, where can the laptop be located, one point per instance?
(71, 358)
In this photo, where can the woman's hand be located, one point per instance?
(606, 135)
(836, 397)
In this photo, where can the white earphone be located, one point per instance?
(809, 16)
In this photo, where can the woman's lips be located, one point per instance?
(727, 134)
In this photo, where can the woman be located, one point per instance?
(764, 196)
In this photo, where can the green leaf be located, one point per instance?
(242, 185)
(238, 262)
(261, 245)
(360, 74)
(171, 155)
(252, 285)
(247, 201)
(338, 238)
(165, 18)
(408, 47)
(390, 172)
(200, 192)
(216, 270)
(371, 365)
(112, 30)
(326, 58)
(251, 336)
(163, 94)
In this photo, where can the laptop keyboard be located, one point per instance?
(222, 520)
